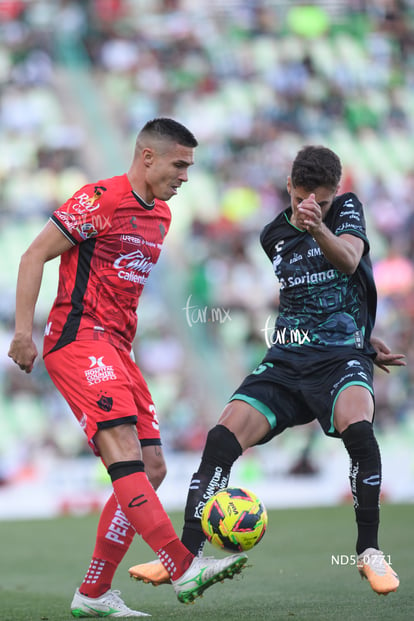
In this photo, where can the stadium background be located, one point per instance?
(254, 80)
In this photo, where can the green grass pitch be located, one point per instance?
(302, 570)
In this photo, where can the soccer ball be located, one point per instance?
(234, 519)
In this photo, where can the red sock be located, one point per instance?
(113, 539)
(143, 509)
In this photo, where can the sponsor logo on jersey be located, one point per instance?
(351, 213)
(314, 252)
(86, 203)
(67, 219)
(87, 230)
(133, 239)
(132, 262)
(87, 226)
(346, 226)
(342, 381)
(309, 278)
(99, 372)
(277, 260)
(140, 241)
(296, 257)
(349, 202)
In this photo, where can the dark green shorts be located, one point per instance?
(297, 389)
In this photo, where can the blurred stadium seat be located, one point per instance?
(253, 91)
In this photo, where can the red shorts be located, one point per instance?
(104, 388)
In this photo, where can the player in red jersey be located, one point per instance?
(109, 235)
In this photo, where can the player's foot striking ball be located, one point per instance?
(204, 572)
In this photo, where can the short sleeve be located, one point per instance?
(86, 214)
(350, 216)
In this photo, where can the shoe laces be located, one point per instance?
(112, 598)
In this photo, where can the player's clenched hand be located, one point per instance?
(385, 358)
(23, 352)
(309, 214)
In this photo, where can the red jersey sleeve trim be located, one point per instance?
(62, 229)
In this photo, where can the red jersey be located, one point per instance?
(117, 238)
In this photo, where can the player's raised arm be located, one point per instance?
(49, 244)
(343, 251)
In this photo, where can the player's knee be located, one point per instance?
(221, 446)
(359, 440)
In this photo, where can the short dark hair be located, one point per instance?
(314, 167)
(165, 128)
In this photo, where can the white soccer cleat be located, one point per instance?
(373, 566)
(107, 605)
(205, 571)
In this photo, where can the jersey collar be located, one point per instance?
(147, 206)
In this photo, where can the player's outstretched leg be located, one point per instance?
(204, 572)
(220, 452)
(144, 511)
(108, 605)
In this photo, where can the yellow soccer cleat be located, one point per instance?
(153, 573)
(373, 566)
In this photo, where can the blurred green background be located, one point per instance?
(254, 80)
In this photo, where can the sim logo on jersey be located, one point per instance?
(99, 372)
